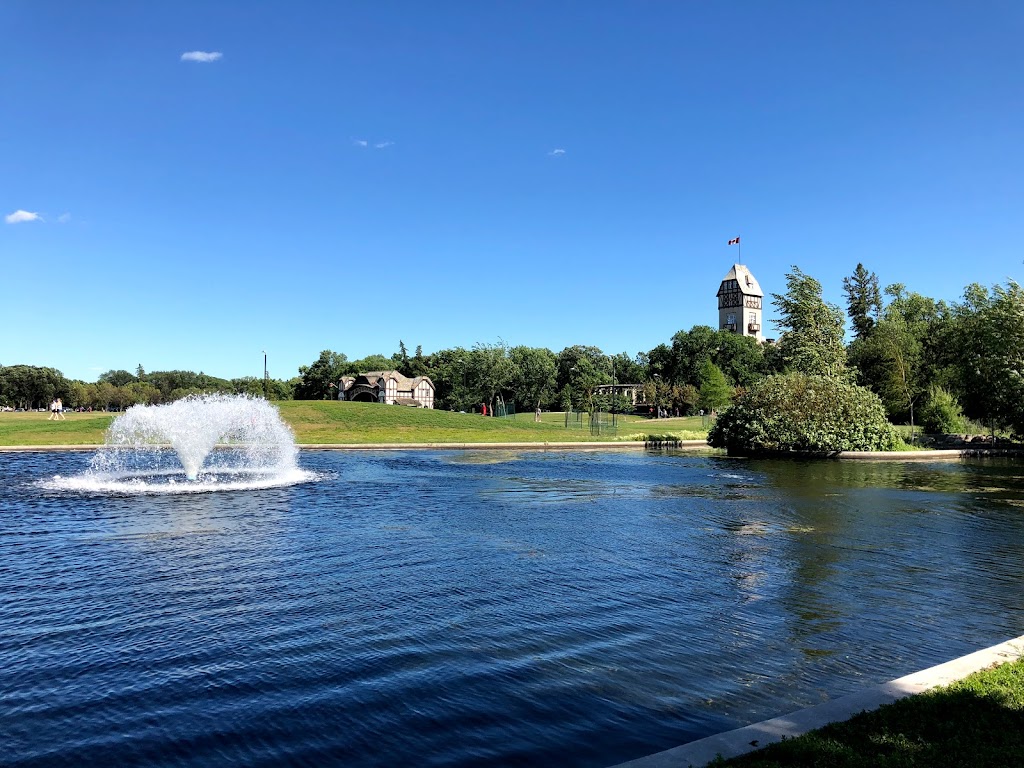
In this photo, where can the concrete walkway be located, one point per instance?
(731, 744)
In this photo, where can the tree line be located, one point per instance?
(29, 387)
(932, 363)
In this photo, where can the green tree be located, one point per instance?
(319, 380)
(169, 382)
(138, 393)
(449, 370)
(400, 360)
(989, 337)
(661, 362)
(812, 330)
(689, 352)
(105, 396)
(685, 398)
(118, 378)
(863, 300)
(565, 399)
(941, 413)
(489, 371)
(419, 365)
(582, 368)
(247, 385)
(740, 358)
(29, 386)
(629, 370)
(715, 391)
(534, 371)
(368, 364)
(900, 352)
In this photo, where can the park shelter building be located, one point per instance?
(739, 303)
(389, 387)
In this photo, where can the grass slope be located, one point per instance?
(329, 421)
(978, 721)
(36, 429)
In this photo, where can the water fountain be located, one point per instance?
(199, 443)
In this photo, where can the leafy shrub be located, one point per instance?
(941, 413)
(804, 413)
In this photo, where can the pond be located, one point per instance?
(451, 608)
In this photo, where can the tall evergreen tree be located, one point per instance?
(863, 300)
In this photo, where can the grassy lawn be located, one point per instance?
(333, 422)
(978, 721)
(36, 429)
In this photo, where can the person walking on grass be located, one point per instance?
(60, 409)
(53, 410)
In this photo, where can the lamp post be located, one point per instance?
(657, 405)
(265, 375)
(615, 394)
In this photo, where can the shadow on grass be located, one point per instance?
(976, 722)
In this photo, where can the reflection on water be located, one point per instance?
(476, 608)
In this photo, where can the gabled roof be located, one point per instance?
(403, 382)
(747, 282)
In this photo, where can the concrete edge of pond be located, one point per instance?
(753, 737)
(594, 445)
(932, 455)
(951, 454)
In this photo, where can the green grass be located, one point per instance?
(333, 422)
(36, 429)
(978, 721)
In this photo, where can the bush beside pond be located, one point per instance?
(796, 412)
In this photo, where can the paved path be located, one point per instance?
(738, 742)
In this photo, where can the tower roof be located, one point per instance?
(747, 282)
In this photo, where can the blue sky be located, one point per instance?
(342, 175)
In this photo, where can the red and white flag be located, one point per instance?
(734, 241)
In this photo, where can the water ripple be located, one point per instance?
(438, 609)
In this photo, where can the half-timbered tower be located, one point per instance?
(739, 303)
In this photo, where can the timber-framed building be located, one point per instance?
(388, 387)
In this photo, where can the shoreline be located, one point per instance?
(949, 454)
(751, 738)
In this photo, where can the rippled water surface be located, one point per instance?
(456, 609)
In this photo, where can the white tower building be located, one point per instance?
(739, 303)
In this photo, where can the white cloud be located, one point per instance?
(203, 57)
(20, 216)
(376, 144)
(556, 152)
(64, 218)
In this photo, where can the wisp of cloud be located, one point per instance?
(20, 216)
(201, 56)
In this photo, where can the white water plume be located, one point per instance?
(200, 443)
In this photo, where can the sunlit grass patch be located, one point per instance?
(977, 721)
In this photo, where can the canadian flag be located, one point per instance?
(734, 241)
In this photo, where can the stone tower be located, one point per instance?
(739, 303)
